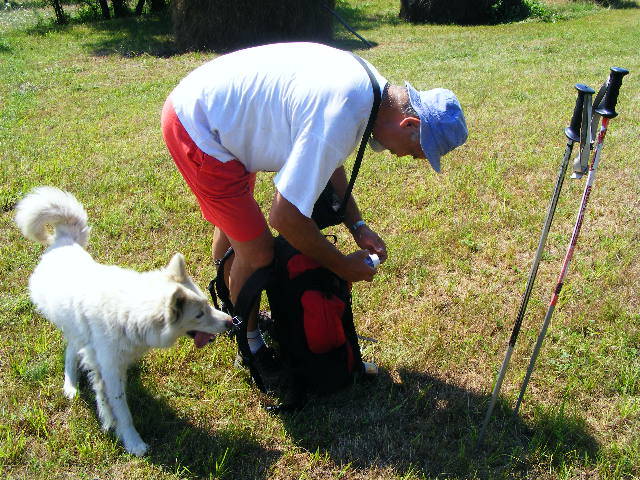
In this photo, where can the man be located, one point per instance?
(298, 109)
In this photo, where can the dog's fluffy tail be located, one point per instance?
(52, 206)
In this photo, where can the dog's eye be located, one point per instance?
(200, 314)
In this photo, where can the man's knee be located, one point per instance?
(261, 258)
(255, 253)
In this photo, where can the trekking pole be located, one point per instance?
(572, 133)
(606, 109)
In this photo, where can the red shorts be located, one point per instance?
(224, 190)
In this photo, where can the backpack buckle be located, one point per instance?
(236, 324)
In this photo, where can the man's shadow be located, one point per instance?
(418, 423)
(412, 423)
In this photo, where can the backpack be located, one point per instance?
(311, 326)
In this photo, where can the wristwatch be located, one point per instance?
(357, 225)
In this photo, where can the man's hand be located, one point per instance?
(303, 234)
(356, 267)
(369, 240)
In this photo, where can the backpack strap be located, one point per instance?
(218, 288)
(249, 295)
(251, 290)
(247, 298)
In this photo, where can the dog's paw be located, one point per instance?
(107, 425)
(137, 448)
(70, 391)
(133, 443)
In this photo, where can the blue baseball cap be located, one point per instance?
(442, 123)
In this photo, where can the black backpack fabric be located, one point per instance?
(311, 327)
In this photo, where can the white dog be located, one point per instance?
(109, 316)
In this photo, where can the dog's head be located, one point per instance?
(188, 311)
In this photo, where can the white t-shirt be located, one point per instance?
(298, 109)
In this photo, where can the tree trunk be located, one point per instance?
(61, 18)
(157, 5)
(120, 8)
(154, 5)
(104, 8)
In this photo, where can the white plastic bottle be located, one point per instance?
(373, 260)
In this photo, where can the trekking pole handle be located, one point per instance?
(573, 130)
(607, 107)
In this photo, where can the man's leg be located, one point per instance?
(219, 247)
(220, 244)
(225, 194)
(249, 257)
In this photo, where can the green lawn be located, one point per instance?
(79, 109)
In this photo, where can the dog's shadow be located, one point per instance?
(416, 424)
(179, 445)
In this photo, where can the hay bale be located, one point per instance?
(220, 25)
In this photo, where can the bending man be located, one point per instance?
(298, 109)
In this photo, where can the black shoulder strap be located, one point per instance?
(377, 98)
(249, 295)
(251, 290)
(218, 289)
(247, 298)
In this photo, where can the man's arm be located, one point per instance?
(303, 234)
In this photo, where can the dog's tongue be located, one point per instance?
(201, 339)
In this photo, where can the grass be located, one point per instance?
(79, 109)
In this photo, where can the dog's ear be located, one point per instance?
(176, 305)
(177, 269)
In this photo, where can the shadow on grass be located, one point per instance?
(414, 425)
(624, 4)
(4, 48)
(351, 45)
(134, 36)
(127, 37)
(423, 424)
(153, 34)
(359, 19)
(179, 446)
